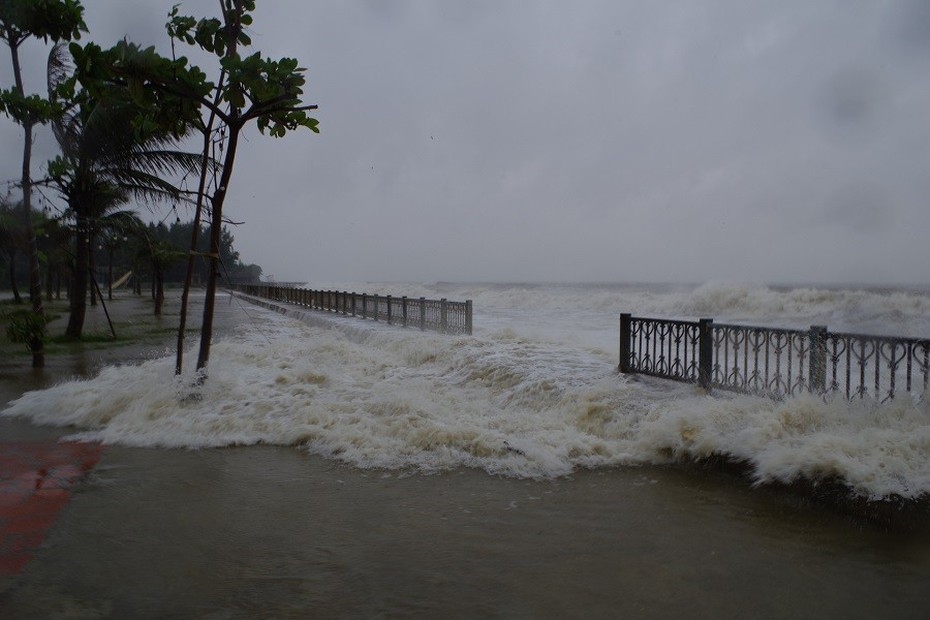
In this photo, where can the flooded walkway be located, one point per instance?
(274, 532)
(35, 484)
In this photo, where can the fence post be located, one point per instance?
(443, 316)
(389, 303)
(353, 303)
(364, 306)
(705, 352)
(423, 313)
(626, 332)
(377, 306)
(817, 383)
(403, 308)
(468, 323)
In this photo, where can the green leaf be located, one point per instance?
(136, 90)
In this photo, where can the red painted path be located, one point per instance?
(35, 484)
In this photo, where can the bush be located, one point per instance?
(25, 326)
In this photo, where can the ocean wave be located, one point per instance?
(377, 397)
(894, 311)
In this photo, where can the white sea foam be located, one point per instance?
(521, 398)
(899, 312)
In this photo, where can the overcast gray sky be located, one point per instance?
(592, 140)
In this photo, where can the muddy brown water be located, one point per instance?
(274, 532)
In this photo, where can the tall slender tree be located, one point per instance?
(54, 20)
(252, 89)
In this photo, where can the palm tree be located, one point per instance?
(104, 163)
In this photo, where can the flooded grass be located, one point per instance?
(139, 335)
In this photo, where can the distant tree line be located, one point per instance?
(124, 246)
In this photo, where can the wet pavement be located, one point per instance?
(38, 470)
(35, 484)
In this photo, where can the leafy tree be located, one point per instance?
(253, 89)
(53, 20)
(152, 247)
(179, 234)
(106, 159)
(172, 95)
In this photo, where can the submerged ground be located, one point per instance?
(266, 531)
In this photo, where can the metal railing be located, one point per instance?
(775, 362)
(442, 315)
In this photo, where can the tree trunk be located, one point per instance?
(14, 287)
(110, 275)
(159, 291)
(79, 281)
(35, 278)
(216, 226)
(195, 227)
(92, 265)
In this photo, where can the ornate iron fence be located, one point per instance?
(442, 315)
(775, 362)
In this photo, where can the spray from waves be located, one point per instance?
(512, 406)
(892, 312)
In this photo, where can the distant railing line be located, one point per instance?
(442, 315)
(775, 362)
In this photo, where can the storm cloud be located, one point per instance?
(593, 140)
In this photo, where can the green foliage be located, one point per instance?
(268, 91)
(32, 108)
(60, 169)
(163, 254)
(178, 235)
(166, 93)
(54, 20)
(26, 327)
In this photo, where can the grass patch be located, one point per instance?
(132, 317)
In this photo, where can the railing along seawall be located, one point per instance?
(442, 315)
(775, 362)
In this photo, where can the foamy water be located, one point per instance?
(533, 394)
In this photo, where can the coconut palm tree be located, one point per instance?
(105, 162)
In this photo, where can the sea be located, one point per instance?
(533, 394)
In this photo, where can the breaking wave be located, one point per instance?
(505, 401)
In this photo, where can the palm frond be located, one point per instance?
(59, 68)
(167, 162)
